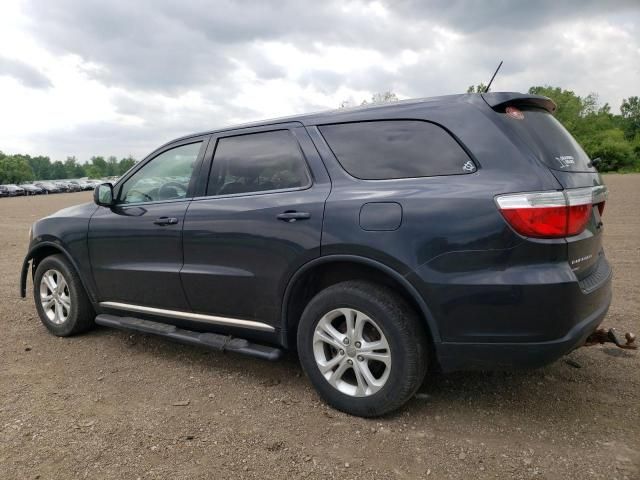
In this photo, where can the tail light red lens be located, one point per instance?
(551, 214)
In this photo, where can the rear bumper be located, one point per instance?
(519, 317)
(507, 356)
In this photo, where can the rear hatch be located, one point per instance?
(530, 121)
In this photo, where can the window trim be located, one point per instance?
(231, 134)
(378, 120)
(203, 140)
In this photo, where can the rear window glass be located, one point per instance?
(549, 140)
(257, 162)
(382, 150)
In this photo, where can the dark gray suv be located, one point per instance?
(463, 232)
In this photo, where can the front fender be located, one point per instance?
(23, 276)
(51, 248)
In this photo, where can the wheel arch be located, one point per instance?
(41, 251)
(328, 270)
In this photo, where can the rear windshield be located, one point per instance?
(549, 140)
(382, 150)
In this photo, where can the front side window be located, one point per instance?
(166, 177)
(257, 162)
(383, 150)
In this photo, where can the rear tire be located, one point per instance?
(363, 348)
(61, 301)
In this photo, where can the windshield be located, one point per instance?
(549, 140)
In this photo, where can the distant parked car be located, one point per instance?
(30, 189)
(81, 184)
(73, 187)
(14, 190)
(62, 186)
(48, 187)
(68, 187)
(4, 191)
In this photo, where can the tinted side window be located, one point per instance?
(166, 177)
(396, 149)
(257, 162)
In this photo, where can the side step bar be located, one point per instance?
(213, 341)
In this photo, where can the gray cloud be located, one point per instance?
(25, 74)
(162, 47)
(165, 45)
(507, 15)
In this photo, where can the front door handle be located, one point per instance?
(162, 221)
(292, 216)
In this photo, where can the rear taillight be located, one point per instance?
(551, 214)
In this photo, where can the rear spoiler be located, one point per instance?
(498, 100)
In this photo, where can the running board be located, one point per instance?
(213, 341)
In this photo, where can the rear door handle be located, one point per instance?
(162, 221)
(293, 216)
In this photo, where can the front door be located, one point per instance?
(136, 246)
(259, 221)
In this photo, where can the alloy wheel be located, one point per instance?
(55, 296)
(352, 352)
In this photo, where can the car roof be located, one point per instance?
(330, 116)
(493, 99)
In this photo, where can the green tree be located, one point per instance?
(612, 148)
(477, 89)
(630, 112)
(41, 167)
(73, 168)
(97, 167)
(125, 164)
(58, 170)
(112, 167)
(14, 169)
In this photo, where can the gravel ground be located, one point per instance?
(114, 405)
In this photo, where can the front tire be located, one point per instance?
(61, 301)
(363, 348)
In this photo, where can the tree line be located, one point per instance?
(24, 168)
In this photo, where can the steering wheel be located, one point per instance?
(162, 192)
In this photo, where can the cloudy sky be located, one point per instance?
(102, 77)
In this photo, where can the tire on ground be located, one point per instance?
(400, 325)
(81, 314)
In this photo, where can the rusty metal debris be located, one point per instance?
(601, 336)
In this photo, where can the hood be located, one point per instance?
(84, 210)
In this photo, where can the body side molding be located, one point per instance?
(196, 317)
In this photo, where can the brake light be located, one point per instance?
(551, 214)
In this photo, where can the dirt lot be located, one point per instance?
(101, 405)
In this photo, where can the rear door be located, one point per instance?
(554, 146)
(259, 219)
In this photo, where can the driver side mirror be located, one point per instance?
(103, 195)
